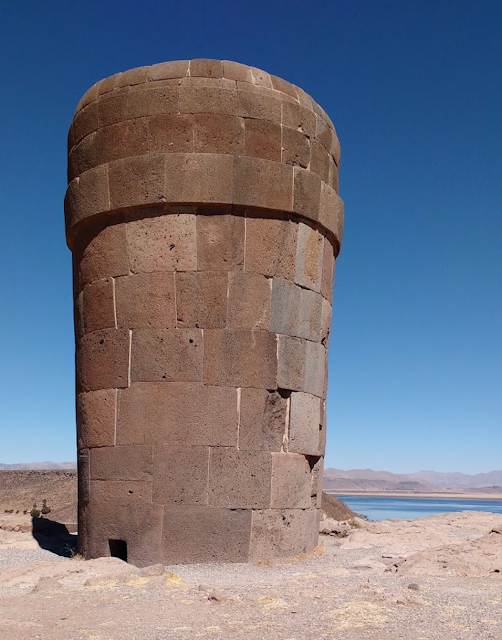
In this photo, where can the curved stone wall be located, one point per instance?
(204, 220)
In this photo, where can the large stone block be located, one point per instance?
(262, 421)
(99, 305)
(239, 479)
(121, 140)
(248, 301)
(262, 139)
(331, 212)
(260, 105)
(291, 482)
(307, 193)
(198, 178)
(180, 475)
(271, 247)
(96, 416)
(290, 363)
(170, 133)
(328, 270)
(201, 299)
(155, 100)
(177, 413)
(299, 118)
(103, 360)
(121, 463)
(220, 242)
(281, 533)
(194, 534)
(105, 255)
(86, 196)
(162, 243)
(166, 70)
(173, 355)
(217, 133)
(136, 181)
(295, 311)
(309, 257)
(200, 98)
(206, 68)
(263, 183)
(295, 147)
(145, 300)
(240, 358)
(305, 424)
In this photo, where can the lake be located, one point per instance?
(382, 507)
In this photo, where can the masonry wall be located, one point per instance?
(204, 220)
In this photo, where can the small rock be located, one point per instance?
(414, 586)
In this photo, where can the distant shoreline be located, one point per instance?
(420, 494)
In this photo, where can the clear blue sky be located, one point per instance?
(414, 89)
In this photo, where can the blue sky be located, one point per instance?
(414, 91)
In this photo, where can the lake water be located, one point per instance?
(382, 507)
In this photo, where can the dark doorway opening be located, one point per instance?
(118, 549)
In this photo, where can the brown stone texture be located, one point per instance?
(203, 215)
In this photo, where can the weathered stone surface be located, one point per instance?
(96, 415)
(248, 301)
(304, 424)
(263, 420)
(241, 358)
(180, 475)
(145, 300)
(173, 355)
(239, 479)
(281, 533)
(200, 534)
(103, 360)
(177, 413)
(204, 219)
(201, 299)
(162, 243)
(291, 482)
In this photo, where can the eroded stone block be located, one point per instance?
(263, 420)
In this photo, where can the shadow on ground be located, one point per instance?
(54, 537)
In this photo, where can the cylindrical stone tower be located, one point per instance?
(204, 221)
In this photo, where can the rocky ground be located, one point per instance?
(433, 578)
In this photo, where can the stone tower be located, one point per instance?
(204, 220)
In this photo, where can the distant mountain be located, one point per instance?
(369, 480)
(38, 465)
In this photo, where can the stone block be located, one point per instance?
(305, 99)
(261, 78)
(89, 96)
(178, 413)
(121, 140)
(103, 360)
(240, 358)
(328, 270)
(315, 369)
(83, 156)
(206, 68)
(248, 301)
(263, 183)
(333, 174)
(173, 355)
(131, 77)
(207, 99)
(84, 476)
(201, 299)
(319, 162)
(112, 108)
(145, 300)
(167, 70)
(194, 534)
(262, 139)
(220, 242)
(281, 533)
(149, 101)
(124, 493)
(295, 148)
(162, 243)
(295, 311)
(300, 118)
(136, 181)
(307, 193)
(271, 247)
(217, 133)
(198, 178)
(239, 479)
(291, 363)
(291, 482)
(170, 133)
(180, 475)
(108, 84)
(87, 195)
(236, 71)
(316, 484)
(263, 418)
(325, 133)
(309, 257)
(285, 87)
(325, 321)
(85, 122)
(304, 423)
(262, 105)
(96, 415)
(322, 431)
(331, 212)
(99, 305)
(104, 256)
(121, 463)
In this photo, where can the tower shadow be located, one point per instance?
(54, 537)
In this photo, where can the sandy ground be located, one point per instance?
(437, 577)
